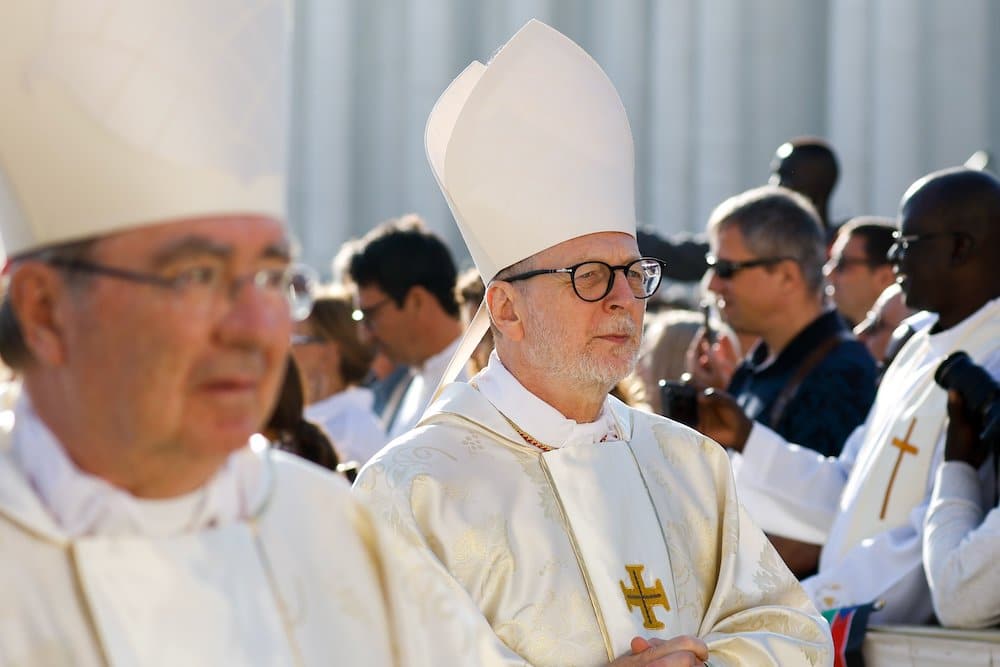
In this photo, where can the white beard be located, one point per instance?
(547, 351)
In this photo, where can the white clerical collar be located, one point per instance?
(434, 366)
(536, 417)
(945, 341)
(83, 504)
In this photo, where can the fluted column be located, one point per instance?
(322, 125)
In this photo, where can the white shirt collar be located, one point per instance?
(536, 417)
(434, 367)
(83, 504)
(943, 342)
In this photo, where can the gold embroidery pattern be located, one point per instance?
(644, 598)
(557, 629)
(905, 447)
(480, 558)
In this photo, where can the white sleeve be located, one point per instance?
(790, 490)
(886, 567)
(961, 549)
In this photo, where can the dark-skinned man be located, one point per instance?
(867, 506)
(808, 166)
(961, 531)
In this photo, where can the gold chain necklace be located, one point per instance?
(531, 440)
(527, 438)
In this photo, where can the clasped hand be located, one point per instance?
(681, 651)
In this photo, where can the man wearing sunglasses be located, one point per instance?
(585, 531)
(148, 314)
(867, 506)
(807, 378)
(859, 269)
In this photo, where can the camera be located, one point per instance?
(679, 401)
(979, 391)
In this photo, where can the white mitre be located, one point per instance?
(532, 149)
(115, 114)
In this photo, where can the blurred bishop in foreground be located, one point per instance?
(148, 313)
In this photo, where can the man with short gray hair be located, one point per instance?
(807, 375)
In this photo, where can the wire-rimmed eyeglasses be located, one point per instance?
(726, 269)
(904, 241)
(593, 280)
(199, 287)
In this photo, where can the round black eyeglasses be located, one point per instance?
(593, 280)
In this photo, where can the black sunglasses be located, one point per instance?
(726, 269)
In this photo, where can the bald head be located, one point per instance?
(808, 166)
(964, 200)
(950, 222)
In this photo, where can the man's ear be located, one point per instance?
(885, 275)
(416, 299)
(965, 247)
(790, 274)
(505, 303)
(35, 292)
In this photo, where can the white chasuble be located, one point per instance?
(211, 584)
(894, 470)
(617, 537)
(308, 579)
(571, 553)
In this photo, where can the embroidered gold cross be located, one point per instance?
(905, 447)
(646, 598)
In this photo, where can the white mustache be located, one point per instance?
(622, 328)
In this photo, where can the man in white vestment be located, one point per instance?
(404, 281)
(148, 315)
(867, 506)
(585, 531)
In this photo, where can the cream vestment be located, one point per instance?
(306, 579)
(571, 553)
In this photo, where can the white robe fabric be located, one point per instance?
(305, 578)
(962, 549)
(349, 420)
(420, 390)
(552, 547)
(867, 506)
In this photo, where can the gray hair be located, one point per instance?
(776, 222)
